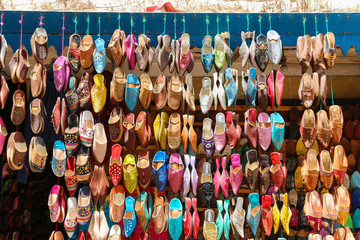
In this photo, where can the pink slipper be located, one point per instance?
(236, 174)
(225, 179)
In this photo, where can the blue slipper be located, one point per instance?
(251, 89)
(175, 219)
(130, 216)
(132, 90)
(355, 181)
(277, 130)
(253, 219)
(231, 87)
(160, 170)
(219, 220)
(58, 163)
(99, 55)
(207, 54)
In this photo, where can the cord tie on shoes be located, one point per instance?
(41, 21)
(144, 21)
(88, 25)
(75, 24)
(304, 21)
(99, 23)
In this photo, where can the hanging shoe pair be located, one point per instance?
(275, 46)
(71, 223)
(231, 86)
(218, 91)
(220, 132)
(58, 163)
(313, 210)
(5, 91)
(144, 209)
(146, 91)
(130, 138)
(233, 131)
(261, 52)
(115, 124)
(59, 116)
(191, 222)
(160, 127)
(175, 56)
(130, 218)
(117, 203)
(73, 54)
(245, 51)
(16, 150)
(163, 51)
(160, 216)
(71, 95)
(98, 93)
(160, 170)
(175, 92)
(236, 174)
(206, 181)
(207, 138)
(206, 95)
(117, 48)
(19, 66)
(144, 53)
(264, 172)
(99, 146)
(219, 52)
(252, 169)
(275, 84)
(37, 154)
(317, 47)
(61, 69)
(84, 90)
(143, 128)
(221, 180)
(38, 77)
(188, 133)
(57, 204)
(98, 228)
(99, 185)
(276, 170)
(251, 127)
(337, 122)
(175, 227)
(132, 91)
(310, 89)
(248, 84)
(223, 222)
(117, 86)
(207, 54)
(176, 172)
(130, 173)
(174, 131)
(37, 115)
(193, 176)
(18, 111)
(253, 214)
(82, 165)
(189, 92)
(238, 217)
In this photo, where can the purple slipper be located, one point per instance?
(186, 177)
(59, 73)
(130, 44)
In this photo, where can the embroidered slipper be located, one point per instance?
(54, 203)
(71, 180)
(37, 154)
(86, 50)
(58, 163)
(144, 169)
(116, 165)
(83, 205)
(115, 124)
(130, 173)
(70, 223)
(82, 165)
(16, 150)
(74, 52)
(117, 203)
(99, 55)
(71, 136)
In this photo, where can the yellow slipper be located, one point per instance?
(163, 130)
(285, 213)
(156, 127)
(130, 173)
(98, 93)
(276, 215)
